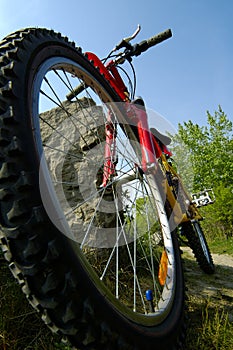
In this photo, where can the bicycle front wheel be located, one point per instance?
(100, 262)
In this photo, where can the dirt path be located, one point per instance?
(223, 260)
(218, 288)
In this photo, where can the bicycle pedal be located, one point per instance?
(203, 198)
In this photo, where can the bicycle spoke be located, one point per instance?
(90, 224)
(130, 264)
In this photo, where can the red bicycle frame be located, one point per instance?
(136, 114)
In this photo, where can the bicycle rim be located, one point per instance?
(121, 231)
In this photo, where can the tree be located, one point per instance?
(210, 152)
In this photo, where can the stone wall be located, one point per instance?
(74, 141)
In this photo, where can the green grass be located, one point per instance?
(222, 246)
(210, 327)
(211, 320)
(22, 329)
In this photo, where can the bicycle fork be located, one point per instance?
(110, 159)
(150, 150)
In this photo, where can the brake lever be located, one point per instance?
(126, 41)
(133, 35)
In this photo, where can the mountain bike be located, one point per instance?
(92, 209)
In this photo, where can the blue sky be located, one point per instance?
(181, 78)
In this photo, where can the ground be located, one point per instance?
(218, 288)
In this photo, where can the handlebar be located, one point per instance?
(137, 49)
(130, 51)
(154, 40)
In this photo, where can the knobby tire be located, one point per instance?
(48, 264)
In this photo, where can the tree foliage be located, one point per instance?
(205, 158)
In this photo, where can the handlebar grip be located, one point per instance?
(154, 40)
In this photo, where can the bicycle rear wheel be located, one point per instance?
(99, 262)
(197, 242)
